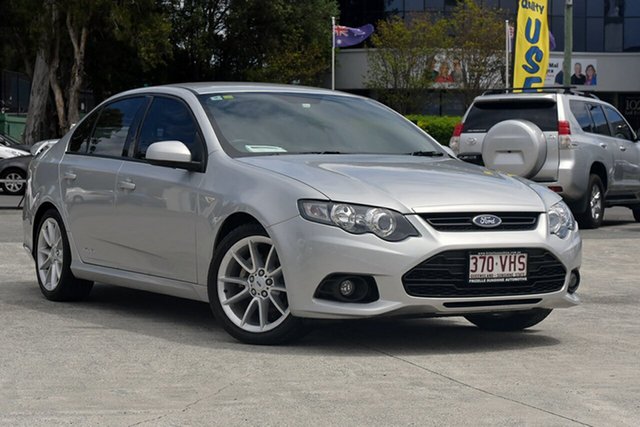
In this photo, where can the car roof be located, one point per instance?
(201, 88)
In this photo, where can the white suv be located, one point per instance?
(576, 145)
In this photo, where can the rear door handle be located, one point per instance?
(70, 176)
(127, 185)
(603, 145)
(623, 148)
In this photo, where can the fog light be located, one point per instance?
(574, 281)
(347, 288)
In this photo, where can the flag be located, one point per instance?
(347, 36)
(532, 45)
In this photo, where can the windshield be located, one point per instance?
(484, 114)
(8, 141)
(250, 124)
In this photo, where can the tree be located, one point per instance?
(477, 34)
(283, 41)
(466, 47)
(401, 65)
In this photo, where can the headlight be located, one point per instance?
(357, 219)
(560, 220)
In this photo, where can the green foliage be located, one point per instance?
(402, 63)
(408, 50)
(439, 127)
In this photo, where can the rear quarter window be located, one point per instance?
(484, 114)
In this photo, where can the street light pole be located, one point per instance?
(568, 42)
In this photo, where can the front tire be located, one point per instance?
(594, 214)
(636, 214)
(247, 292)
(53, 261)
(16, 185)
(508, 321)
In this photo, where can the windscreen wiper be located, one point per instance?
(426, 153)
(321, 152)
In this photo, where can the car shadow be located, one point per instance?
(192, 323)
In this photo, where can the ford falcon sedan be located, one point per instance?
(278, 204)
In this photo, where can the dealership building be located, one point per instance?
(606, 35)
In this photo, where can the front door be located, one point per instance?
(158, 203)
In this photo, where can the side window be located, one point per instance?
(80, 139)
(580, 112)
(112, 132)
(169, 120)
(599, 121)
(619, 127)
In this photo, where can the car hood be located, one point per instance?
(405, 183)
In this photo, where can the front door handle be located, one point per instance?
(127, 185)
(70, 176)
(603, 145)
(623, 148)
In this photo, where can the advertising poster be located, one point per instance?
(584, 72)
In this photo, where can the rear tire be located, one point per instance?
(53, 261)
(17, 187)
(636, 214)
(508, 321)
(247, 292)
(594, 214)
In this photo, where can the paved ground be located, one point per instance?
(132, 358)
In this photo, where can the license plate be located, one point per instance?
(490, 267)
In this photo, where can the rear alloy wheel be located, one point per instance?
(508, 321)
(247, 292)
(594, 214)
(53, 260)
(13, 182)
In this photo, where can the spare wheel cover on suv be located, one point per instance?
(518, 147)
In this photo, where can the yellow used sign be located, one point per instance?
(532, 44)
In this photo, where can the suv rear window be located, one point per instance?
(484, 114)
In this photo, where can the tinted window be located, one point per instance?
(114, 128)
(169, 120)
(483, 115)
(599, 121)
(619, 127)
(251, 124)
(580, 112)
(80, 138)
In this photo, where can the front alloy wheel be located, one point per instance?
(247, 291)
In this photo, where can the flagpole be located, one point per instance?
(506, 54)
(333, 53)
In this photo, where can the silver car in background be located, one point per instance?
(276, 204)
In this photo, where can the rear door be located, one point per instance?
(627, 152)
(484, 114)
(88, 175)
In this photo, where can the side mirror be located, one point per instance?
(172, 154)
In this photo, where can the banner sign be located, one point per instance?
(584, 72)
(532, 44)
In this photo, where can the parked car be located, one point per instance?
(13, 174)
(9, 147)
(577, 145)
(279, 203)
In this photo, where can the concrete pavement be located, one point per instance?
(127, 357)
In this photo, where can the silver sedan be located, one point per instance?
(279, 204)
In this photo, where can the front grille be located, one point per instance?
(463, 221)
(446, 275)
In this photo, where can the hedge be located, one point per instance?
(439, 127)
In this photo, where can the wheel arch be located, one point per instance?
(232, 222)
(599, 169)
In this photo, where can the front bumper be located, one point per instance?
(309, 252)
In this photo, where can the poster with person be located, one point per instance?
(583, 72)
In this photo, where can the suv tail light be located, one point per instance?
(454, 142)
(564, 135)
